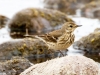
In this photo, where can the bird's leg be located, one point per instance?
(61, 53)
(52, 53)
(66, 51)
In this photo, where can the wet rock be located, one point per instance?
(22, 47)
(62, 5)
(91, 10)
(89, 43)
(36, 20)
(96, 13)
(3, 20)
(97, 30)
(93, 56)
(14, 66)
(66, 6)
(68, 65)
(33, 49)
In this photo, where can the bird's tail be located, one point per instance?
(40, 39)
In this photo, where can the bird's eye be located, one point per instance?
(71, 26)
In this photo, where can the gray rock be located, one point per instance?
(36, 20)
(14, 66)
(68, 65)
(90, 43)
(3, 21)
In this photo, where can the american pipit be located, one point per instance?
(60, 39)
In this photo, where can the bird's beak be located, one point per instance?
(78, 25)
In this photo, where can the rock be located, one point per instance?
(14, 66)
(68, 65)
(99, 72)
(3, 21)
(93, 56)
(36, 20)
(91, 10)
(89, 43)
(33, 49)
(22, 47)
(62, 5)
(66, 6)
(96, 13)
(97, 30)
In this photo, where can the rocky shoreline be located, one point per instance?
(39, 21)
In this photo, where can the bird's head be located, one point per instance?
(69, 26)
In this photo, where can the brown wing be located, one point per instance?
(56, 33)
(48, 38)
(52, 36)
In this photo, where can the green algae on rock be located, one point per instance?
(68, 65)
(36, 20)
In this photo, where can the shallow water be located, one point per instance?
(10, 7)
(88, 26)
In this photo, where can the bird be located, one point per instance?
(60, 39)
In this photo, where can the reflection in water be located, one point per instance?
(44, 57)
